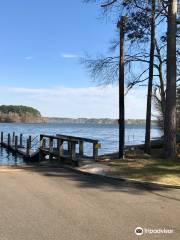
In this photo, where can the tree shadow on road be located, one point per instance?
(86, 180)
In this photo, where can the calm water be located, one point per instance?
(107, 134)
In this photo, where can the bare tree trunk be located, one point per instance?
(170, 109)
(147, 147)
(162, 87)
(121, 90)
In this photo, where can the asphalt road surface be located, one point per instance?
(57, 204)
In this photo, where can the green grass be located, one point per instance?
(140, 166)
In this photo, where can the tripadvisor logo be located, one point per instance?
(138, 231)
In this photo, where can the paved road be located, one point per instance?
(51, 204)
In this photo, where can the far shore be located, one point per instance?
(95, 121)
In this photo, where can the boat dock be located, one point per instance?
(53, 147)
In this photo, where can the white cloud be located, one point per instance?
(67, 55)
(76, 102)
(28, 58)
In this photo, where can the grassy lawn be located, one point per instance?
(140, 166)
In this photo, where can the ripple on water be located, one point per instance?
(7, 158)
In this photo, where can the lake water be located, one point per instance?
(106, 134)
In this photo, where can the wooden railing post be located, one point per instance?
(28, 147)
(21, 140)
(73, 153)
(9, 139)
(69, 147)
(50, 145)
(41, 148)
(81, 148)
(44, 143)
(50, 149)
(2, 137)
(16, 143)
(30, 141)
(60, 148)
(13, 138)
(95, 150)
(41, 141)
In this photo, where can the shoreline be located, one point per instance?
(79, 123)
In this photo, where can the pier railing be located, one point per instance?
(54, 147)
(81, 141)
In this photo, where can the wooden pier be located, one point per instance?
(50, 147)
(23, 146)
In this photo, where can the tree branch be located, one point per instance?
(108, 3)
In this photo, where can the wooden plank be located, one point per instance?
(78, 138)
(58, 137)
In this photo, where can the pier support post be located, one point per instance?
(21, 140)
(9, 139)
(2, 137)
(16, 143)
(13, 138)
(30, 141)
(28, 147)
(41, 148)
(81, 148)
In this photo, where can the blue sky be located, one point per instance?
(40, 45)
